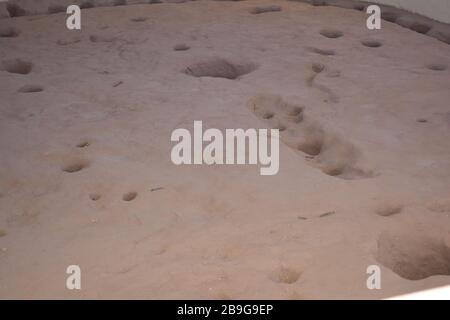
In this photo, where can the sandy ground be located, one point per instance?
(364, 176)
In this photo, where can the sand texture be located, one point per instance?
(86, 177)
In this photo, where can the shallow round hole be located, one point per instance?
(29, 88)
(371, 43)
(295, 114)
(388, 209)
(389, 16)
(313, 148)
(318, 67)
(64, 42)
(83, 144)
(268, 115)
(265, 9)
(220, 68)
(86, 5)
(17, 66)
(333, 171)
(319, 3)
(101, 38)
(94, 196)
(129, 196)
(285, 275)
(139, 19)
(9, 32)
(437, 67)
(420, 27)
(441, 206)
(56, 8)
(331, 33)
(359, 7)
(15, 10)
(422, 120)
(280, 127)
(324, 52)
(295, 111)
(181, 47)
(75, 166)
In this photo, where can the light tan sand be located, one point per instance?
(86, 176)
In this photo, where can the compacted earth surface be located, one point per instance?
(86, 177)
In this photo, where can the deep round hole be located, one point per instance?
(414, 256)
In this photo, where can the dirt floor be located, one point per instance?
(86, 177)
